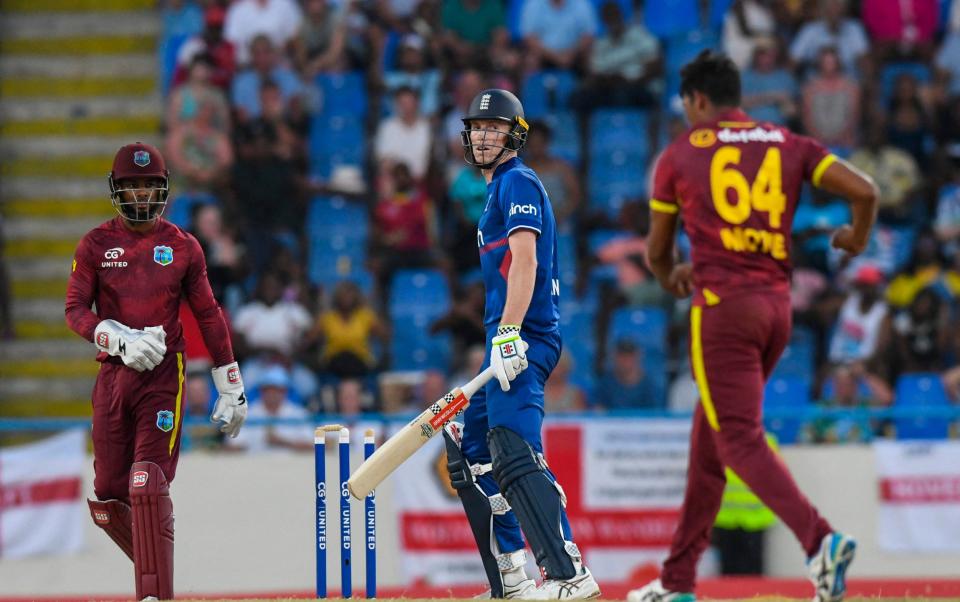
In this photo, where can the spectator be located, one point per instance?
(850, 387)
(558, 177)
(265, 66)
(246, 20)
(212, 44)
(467, 84)
(625, 385)
(224, 256)
(468, 197)
(920, 334)
(198, 93)
(901, 28)
(909, 126)
(625, 66)
(403, 224)
(559, 393)
(814, 223)
(351, 397)
(924, 269)
(269, 325)
(405, 137)
(273, 403)
(268, 169)
(474, 32)
(412, 72)
(346, 332)
(626, 253)
(197, 391)
(831, 103)
(557, 34)
(770, 90)
(464, 321)
(861, 318)
(200, 154)
(321, 42)
(895, 172)
(746, 23)
(947, 222)
(833, 30)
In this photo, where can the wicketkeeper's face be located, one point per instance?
(488, 137)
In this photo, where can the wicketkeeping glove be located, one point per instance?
(231, 406)
(139, 349)
(508, 354)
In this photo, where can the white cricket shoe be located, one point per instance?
(516, 585)
(580, 587)
(655, 592)
(828, 567)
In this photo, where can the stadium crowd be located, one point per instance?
(315, 147)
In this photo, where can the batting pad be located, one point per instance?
(115, 518)
(152, 531)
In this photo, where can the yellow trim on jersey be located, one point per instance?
(710, 297)
(179, 403)
(663, 207)
(736, 124)
(699, 370)
(822, 167)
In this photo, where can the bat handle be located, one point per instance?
(478, 381)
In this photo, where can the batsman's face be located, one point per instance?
(140, 191)
(488, 137)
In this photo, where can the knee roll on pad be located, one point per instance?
(534, 498)
(152, 531)
(115, 518)
(476, 504)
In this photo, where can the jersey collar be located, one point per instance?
(731, 116)
(505, 167)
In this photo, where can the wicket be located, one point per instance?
(369, 518)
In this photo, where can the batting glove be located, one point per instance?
(139, 349)
(231, 406)
(508, 354)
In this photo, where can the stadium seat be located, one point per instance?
(681, 48)
(786, 393)
(891, 71)
(577, 325)
(335, 140)
(547, 91)
(337, 230)
(344, 94)
(417, 299)
(666, 18)
(646, 327)
(797, 360)
(566, 135)
(415, 292)
(168, 50)
(180, 209)
(921, 391)
(623, 130)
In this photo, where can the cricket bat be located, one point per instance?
(411, 437)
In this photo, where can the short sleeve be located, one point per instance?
(815, 158)
(664, 198)
(521, 201)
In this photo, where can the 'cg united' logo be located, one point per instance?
(141, 158)
(165, 420)
(163, 255)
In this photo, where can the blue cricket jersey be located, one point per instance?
(517, 199)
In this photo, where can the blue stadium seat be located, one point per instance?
(616, 180)
(343, 93)
(786, 393)
(797, 360)
(544, 92)
(514, 12)
(577, 325)
(665, 18)
(566, 135)
(623, 130)
(646, 327)
(681, 48)
(337, 231)
(180, 209)
(891, 71)
(417, 298)
(169, 48)
(335, 140)
(921, 391)
(329, 215)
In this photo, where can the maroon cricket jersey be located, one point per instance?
(736, 184)
(138, 280)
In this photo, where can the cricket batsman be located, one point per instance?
(136, 268)
(735, 183)
(496, 464)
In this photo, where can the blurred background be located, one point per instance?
(315, 152)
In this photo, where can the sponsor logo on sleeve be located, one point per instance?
(139, 479)
(523, 209)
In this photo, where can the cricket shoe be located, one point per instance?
(828, 567)
(581, 586)
(516, 585)
(655, 592)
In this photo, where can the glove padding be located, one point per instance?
(139, 349)
(231, 406)
(508, 354)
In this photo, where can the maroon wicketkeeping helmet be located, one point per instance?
(139, 160)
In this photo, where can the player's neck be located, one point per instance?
(715, 113)
(139, 227)
(488, 173)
